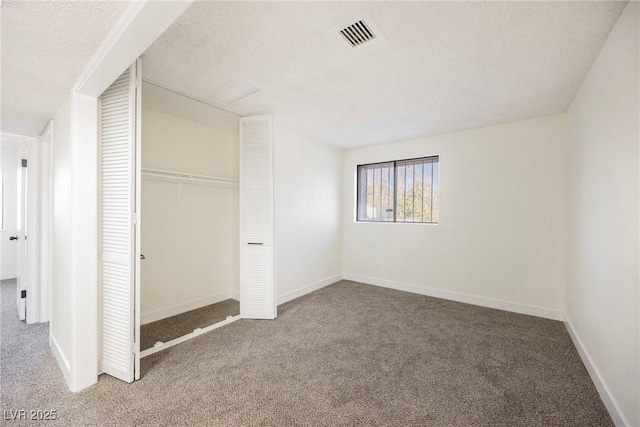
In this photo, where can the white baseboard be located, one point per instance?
(309, 288)
(8, 275)
(609, 402)
(235, 295)
(515, 307)
(62, 360)
(163, 313)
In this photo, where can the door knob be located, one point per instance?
(142, 256)
(13, 237)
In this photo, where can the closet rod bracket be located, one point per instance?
(180, 191)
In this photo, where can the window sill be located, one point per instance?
(397, 223)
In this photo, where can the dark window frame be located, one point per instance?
(433, 159)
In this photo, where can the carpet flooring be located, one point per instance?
(348, 354)
(182, 324)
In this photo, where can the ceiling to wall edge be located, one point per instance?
(209, 104)
(16, 137)
(336, 30)
(409, 138)
(201, 100)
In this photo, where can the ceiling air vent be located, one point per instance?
(358, 33)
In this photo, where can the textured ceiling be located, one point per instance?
(169, 102)
(443, 66)
(45, 46)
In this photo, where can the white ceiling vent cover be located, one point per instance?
(358, 31)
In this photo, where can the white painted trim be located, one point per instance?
(195, 333)
(97, 62)
(61, 359)
(46, 220)
(136, 29)
(309, 288)
(531, 310)
(607, 398)
(33, 232)
(163, 313)
(235, 295)
(51, 219)
(139, 216)
(9, 136)
(8, 275)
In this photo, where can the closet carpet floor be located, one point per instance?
(348, 354)
(176, 326)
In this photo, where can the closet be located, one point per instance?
(189, 276)
(185, 221)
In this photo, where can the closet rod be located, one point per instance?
(185, 178)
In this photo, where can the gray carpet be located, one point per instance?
(348, 354)
(176, 326)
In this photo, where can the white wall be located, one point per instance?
(9, 165)
(84, 121)
(307, 209)
(499, 242)
(62, 256)
(191, 244)
(74, 305)
(602, 252)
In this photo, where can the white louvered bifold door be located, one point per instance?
(257, 283)
(119, 141)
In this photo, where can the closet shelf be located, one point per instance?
(188, 178)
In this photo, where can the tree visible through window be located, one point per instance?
(399, 191)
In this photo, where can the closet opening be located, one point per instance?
(189, 242)
(185, 220)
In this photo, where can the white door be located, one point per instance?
(22, 276)
(119, 226)
(257, 281)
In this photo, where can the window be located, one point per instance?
(399, 191)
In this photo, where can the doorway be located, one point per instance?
(22, 224)
(189, 220)
(183, 248)
(168, 222)
(9, 155)
(20, 228)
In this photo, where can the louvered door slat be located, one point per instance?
(257, 287)
(117, 230)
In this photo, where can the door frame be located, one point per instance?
(45, 238)
(33, 219)
(137, 28)
(23, 230)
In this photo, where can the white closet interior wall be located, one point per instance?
(189, 236)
